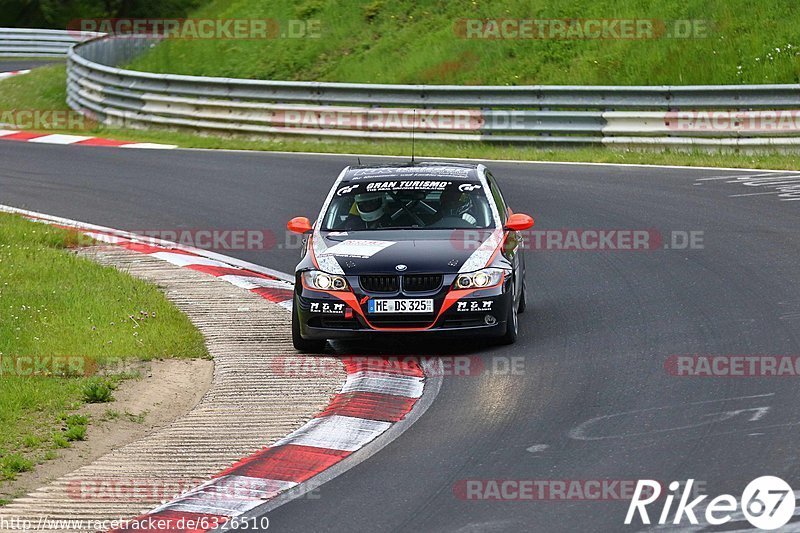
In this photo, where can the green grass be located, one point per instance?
(55, 304)
(407, 41)
(44, 88)
(60, 441)
(12, 464)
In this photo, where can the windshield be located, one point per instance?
(408, 204)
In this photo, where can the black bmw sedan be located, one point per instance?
(419, 249)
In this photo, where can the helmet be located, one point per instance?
(454, 202)
(370, 206)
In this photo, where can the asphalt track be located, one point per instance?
(7, 65)
(594, 342)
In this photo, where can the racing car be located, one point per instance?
(419, 249)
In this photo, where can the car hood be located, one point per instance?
(421, 251)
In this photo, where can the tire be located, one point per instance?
(512, 325)
(300, 344)
(523, 298)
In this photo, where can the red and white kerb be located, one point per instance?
(371, 400)
(4, 75)
(78, 140)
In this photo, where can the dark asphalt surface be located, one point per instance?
(598, 330)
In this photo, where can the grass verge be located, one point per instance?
(45, 89)
(407, 41)
(63, 318)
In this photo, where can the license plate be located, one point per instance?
(401, 306)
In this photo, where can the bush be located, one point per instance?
(58, 13)
(75, 433)
(98, 391)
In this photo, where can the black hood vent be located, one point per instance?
(379, 283)
(422, 282)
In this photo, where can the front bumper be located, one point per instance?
(340, 315)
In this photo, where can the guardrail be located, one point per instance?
(23, 42)
(702, 116)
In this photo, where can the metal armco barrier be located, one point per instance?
(744, 116)
(22, 42)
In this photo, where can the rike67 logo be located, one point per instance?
(768, 503)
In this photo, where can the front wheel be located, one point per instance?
(523, 298)
(512, 325)
(300, 344)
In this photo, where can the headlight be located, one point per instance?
(317, 279)
(477, 280)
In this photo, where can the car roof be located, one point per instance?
(419, 170)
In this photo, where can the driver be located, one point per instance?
(456, 204)
(370, 212)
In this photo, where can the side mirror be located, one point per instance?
(519, 222)
(299, 225)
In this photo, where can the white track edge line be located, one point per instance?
(151, 240)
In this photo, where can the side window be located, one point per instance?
(498, 198)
